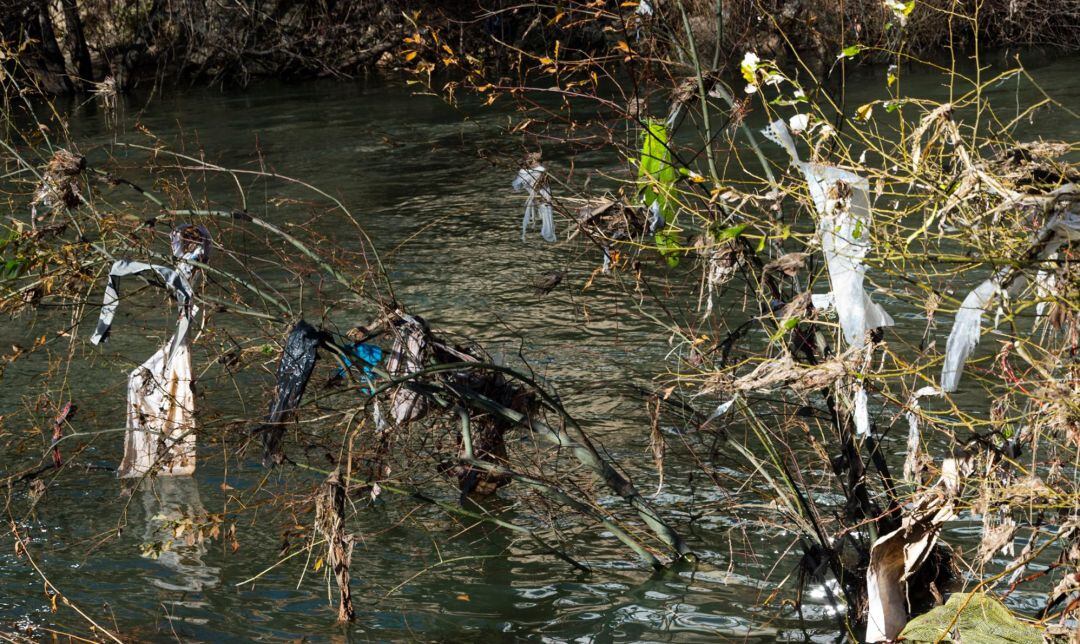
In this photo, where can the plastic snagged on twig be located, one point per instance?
(294, 370)
(842, 199)
(412, 346)
(897, 556)
(161, 405)
(534, 180)
(967, 326)
(912, 463)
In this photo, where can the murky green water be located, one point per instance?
(414, 171)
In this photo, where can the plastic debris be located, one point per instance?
(966, 329)
(967, 326)
(294, 371)
(898, 555)
(842, 200)
(407, 356)
(160, 434)
(363, 355)
(914, 439)
(533, 180)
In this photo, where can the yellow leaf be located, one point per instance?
(623, 46)
(409, 55)
(865, 112)
(544, 60)
(318, 564)
(463, 597)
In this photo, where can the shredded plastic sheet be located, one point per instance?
(534, 181)
(1045, 284)
(897, 556)
(160, 434)
(964, 337)
(842, 200)
(174, 281)
(365, 356)
(967, 326)
(294, 370)
(720, 410)
(862, 411)
(914, 439)
(412, 345)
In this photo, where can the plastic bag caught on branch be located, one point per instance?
(294, 371)
(533, 180)
(411, 349)
(161, 405)
(967, 326)
(842, 200)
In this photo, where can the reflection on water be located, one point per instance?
(175, 520)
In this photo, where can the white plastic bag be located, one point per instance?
(534, 181)
(842, 200)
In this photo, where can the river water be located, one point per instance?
(415, 173)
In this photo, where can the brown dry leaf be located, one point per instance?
(789, 264)
(1027, 490)
(996, 539)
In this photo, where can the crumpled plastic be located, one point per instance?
(366, 357)
(293, 373)
(161, 405)
(412, 346)
(534, 181)
(842, 200)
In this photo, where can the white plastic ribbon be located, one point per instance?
(914, 439)
(967, 326)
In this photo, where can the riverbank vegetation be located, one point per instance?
(93, 45)
(880, 340)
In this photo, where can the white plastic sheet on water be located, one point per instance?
(842, 200)
(534, 181)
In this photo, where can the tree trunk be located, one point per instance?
(76, 43)
(43, 59)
